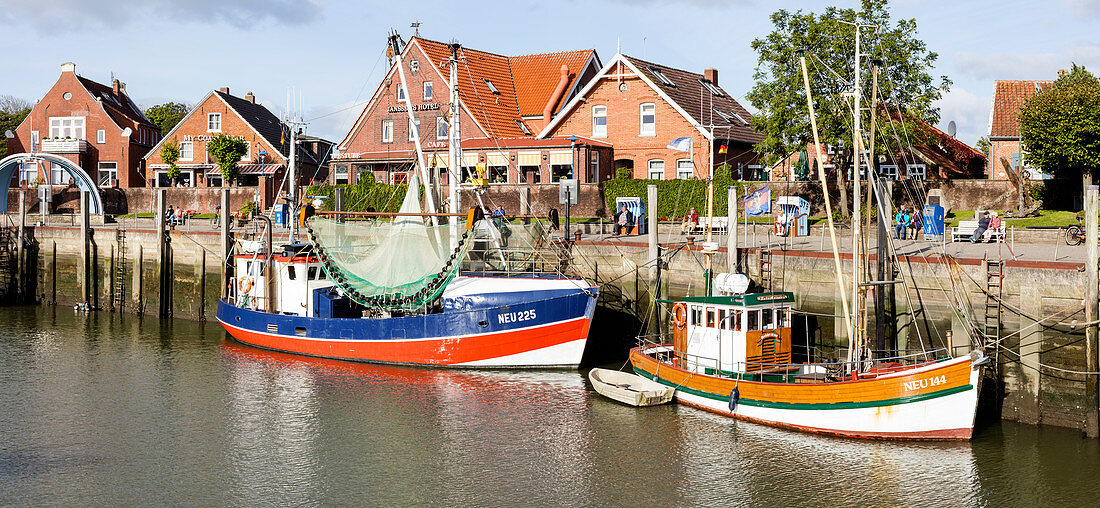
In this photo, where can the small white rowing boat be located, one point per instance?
(629, 388)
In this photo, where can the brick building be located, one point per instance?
(639, 107)
(502, 97)
(265, 164)
(1004, 127)
(96, 126)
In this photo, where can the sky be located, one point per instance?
(329, 54)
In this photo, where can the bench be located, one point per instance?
(966, 228)
(717, 225)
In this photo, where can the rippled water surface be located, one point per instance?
(103, 410)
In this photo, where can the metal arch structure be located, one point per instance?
(10, 164)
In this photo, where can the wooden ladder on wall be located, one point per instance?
(994, 277)
(118, 282)
(766, 270)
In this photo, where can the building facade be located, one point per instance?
(96, 126)
(503, 98)
(1004, 127)
(639, 107)
(265, 164)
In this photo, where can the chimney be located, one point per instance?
(711, 75)
(68, 67)
(116, 85)
(224, 90)
(1062, 73)
(249, 97)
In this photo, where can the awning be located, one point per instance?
(528, 158)
(250, 169)
(561, 157)
(496, 159)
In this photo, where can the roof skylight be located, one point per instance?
(492, 87)
(660, 75)
(714, 90)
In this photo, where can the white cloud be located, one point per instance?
(48, 15)
(1087, 8)
(969, 111)
(1025, 66)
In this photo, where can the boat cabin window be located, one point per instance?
(696, 316)
(783, 317)
(767, 319)
(710, 317)
(754, 321)
(735, 320)
(249, 268)
(312, 272)
(723, 324)
(290, 271)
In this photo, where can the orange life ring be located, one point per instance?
(679, 315)
(245, 284)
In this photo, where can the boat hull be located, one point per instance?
(629, 388)
(555, 335)
(931, 402)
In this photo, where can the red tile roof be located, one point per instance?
(520, 143)
(524, 83)
(1008, 98)
(537, 76)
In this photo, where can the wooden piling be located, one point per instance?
(138, 275)
(85, 271)
(20, 254)
(1092, 393)
(202, 284)
(52, 271)
(162, 279)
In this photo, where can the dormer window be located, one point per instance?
(714, 90)
(660, 75)
(491, 86)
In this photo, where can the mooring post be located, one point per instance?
(1092, 220)
(731, 223)
(224, 235)
(337, 202)
(52, 270)
(159, 218)
(110, 278)
(138, 275)
(525, 203)
(20, 238)
(85, 271)
(202, 285)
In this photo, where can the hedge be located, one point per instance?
(676, 197)
(367, 193)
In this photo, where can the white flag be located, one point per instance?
(681, 144)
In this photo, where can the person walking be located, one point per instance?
(899, 223)
(983, 225)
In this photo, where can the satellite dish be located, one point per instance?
(951, 128)
(127, 131)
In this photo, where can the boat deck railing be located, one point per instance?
(659, 346)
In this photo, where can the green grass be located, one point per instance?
(1046, 218)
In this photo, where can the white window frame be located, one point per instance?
(650, 167)
(428, 91)
(111, 171)
(888, 171)
(599, 113)
(341, 173)
(387, 130)
(213, 122)
(642, 123)
(190, 151)
(492, 88)
(916, 171)
(28, 171)
(57, 175)
(100, 136)
(400, 92)
(442, 129)
(248, 151)
(36, 142)
(414, 66)
(417, 123)
(680, 173)
(76, 124)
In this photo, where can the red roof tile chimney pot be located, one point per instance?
(711, 75)
(249, 97)
(563, 82)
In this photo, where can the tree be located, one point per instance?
(166, 116)
(828, 40)
(1060, 127)
(227, 151)
(12, 112)
(169, 154)
(983, 145)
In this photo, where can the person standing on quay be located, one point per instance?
(900, 223)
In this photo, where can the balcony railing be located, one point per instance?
(64, 145)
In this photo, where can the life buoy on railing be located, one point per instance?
(679, 315)
(245, 284)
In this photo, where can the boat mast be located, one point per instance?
(454, 145)
(855, 347)
(421, 166)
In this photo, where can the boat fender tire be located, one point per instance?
(679, 315)
(734, 395)
(245, 284)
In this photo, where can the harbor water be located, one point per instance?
(110, 410)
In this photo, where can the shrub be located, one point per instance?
(382, 197)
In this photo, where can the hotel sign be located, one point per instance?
(206, 137)
(416, 107)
